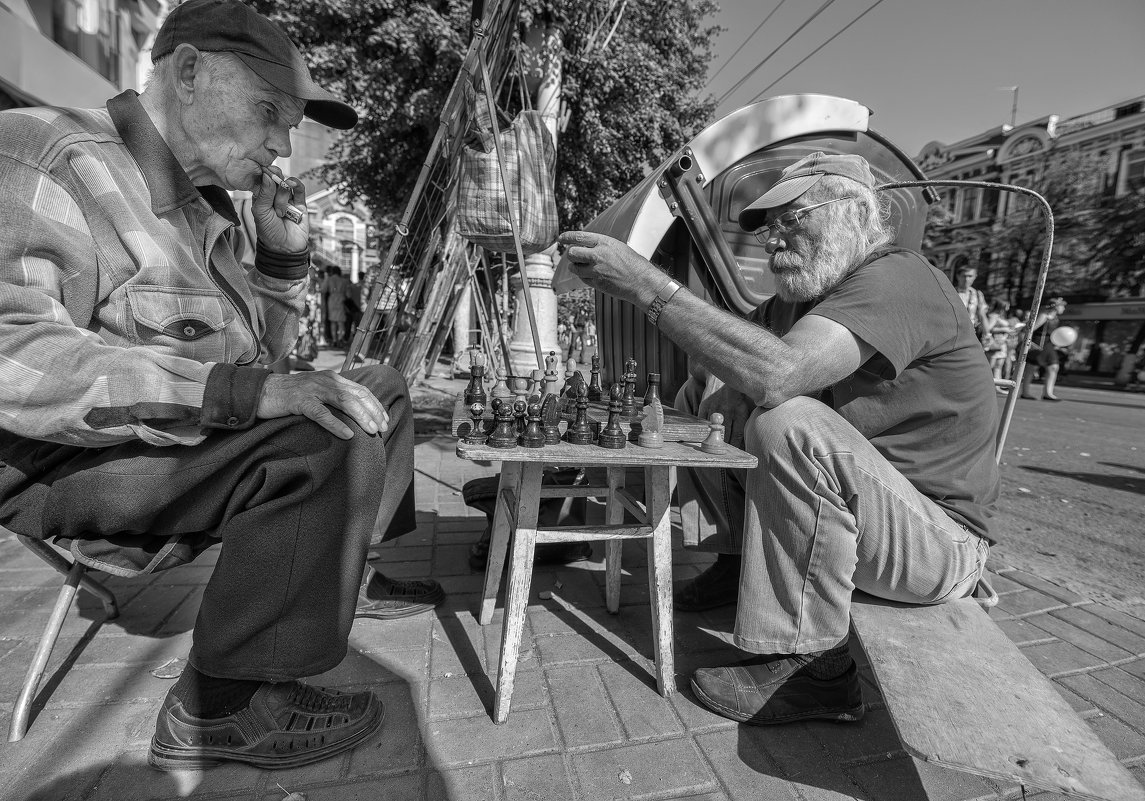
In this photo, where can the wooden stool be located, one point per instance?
(518, 497)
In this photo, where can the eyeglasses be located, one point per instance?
(789, 220)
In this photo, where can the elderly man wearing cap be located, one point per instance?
(137, 424)
(866, 396)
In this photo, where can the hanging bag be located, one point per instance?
(530, 166)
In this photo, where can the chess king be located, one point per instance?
(869, 403)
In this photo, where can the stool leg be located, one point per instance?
(503, 523)
(657, 495)
(520, 577)
(614, 515)
(23, 706)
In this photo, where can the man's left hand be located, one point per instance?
(272, 227)
(612, 267)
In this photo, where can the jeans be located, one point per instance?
(823, 514)
(294, 506)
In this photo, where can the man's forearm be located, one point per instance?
(744, 355)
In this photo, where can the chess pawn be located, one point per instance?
(580, 432)
(595, 391)
(501, 387)
(715, 441)
(651, 425)
(612, 437)
(477, 435)
(534, 436)
(505, 431)
(475, 392)
(652, 391)
(537, 386)
(551, 419)
(520, 410)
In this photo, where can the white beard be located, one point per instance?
(799, 279)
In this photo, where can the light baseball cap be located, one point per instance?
(797, 178)
(233, 27)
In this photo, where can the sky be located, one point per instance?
(933, 69)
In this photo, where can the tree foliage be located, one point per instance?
(1117, 244)
(629, 103)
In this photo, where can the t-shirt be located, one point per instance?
(926, 398)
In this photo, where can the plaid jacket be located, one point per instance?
(125, 312)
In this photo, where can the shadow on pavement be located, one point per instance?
(1124, 483)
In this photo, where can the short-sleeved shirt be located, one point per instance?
(926, 398)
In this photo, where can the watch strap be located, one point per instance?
(665, 294)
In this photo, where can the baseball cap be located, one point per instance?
(797, 178)
(233, 27)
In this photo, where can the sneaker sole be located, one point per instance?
(847, 715)
(409, 610)
(167, 758)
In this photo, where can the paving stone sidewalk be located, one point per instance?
(586, 721)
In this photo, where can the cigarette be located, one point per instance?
(293, 213)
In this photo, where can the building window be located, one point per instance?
(1135, 170)
(89, 29)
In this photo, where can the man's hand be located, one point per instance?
(272, 227)
(612, 267)
(310, 394)
(734, 406)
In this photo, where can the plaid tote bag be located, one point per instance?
(530, 165)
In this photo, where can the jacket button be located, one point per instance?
(189, 330)
(232, 421)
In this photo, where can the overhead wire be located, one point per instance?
(766, 58)
(842, 30)
(743, 44)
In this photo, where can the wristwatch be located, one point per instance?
(661, 300)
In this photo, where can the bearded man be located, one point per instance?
(868, 401)
(138, 426)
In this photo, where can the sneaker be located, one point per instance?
(768, 690)
(387, 599)
(285, 725)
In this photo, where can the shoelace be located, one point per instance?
(317, 700)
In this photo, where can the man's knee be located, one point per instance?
(689, 396)
(775, 430)
(387, 384)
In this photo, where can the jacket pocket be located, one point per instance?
(185, 322)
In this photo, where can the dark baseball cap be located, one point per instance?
(797, 178)
(233, 27)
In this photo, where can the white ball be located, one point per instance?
(1063, 336)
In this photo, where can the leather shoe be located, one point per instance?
(285, 725)
(768, 690)
(715, 587)
(384, 598)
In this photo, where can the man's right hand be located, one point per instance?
(734, 406)
(313, 394)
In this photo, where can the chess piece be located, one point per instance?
(520, 410)
(475, 392)
(551, 375)
(551, 419)
(501, 387)
(534, 436)
(652, 424)
(628, 399)
(551, 363)
(537, 387)
(595, 391)
(612, 437)
(477, 435)
(652, 391)
(505, 431)
(580, 432)
(715, 441)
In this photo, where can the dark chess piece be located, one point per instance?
(501, 387)
(595, 391)
(476, 435)
(505, 431)
(580, 432)
(534, 436)
(551, 419)
(652, 392)
(715, 441)
(612, 437)
(520, 412)
(628, 399)
(475, 392)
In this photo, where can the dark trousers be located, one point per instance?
(294, 506)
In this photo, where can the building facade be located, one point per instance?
(72, 52)
(1110, 142)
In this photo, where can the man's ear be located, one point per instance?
(187, 66)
